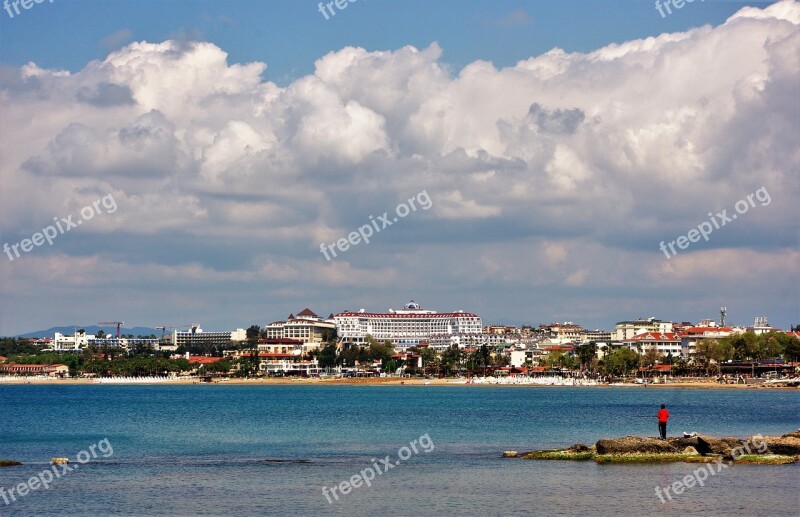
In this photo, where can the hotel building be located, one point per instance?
(692, 336)
(411, 326)
(664, 343)
(628, 329)
(197, 336)
(306, 327)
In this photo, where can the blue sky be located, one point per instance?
(290, 35)
(559, 142)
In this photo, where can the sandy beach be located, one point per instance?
(678, 383)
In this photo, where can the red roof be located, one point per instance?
(3, 358)
(559, 348)
(201, 359)
(657, 368)
(307, 312)
(702, 330)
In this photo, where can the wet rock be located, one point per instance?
(784, 445)
(634, 445)
(510, 454)
(578, 447)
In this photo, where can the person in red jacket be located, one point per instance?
(663, 416)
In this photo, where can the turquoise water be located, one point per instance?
(188, 450)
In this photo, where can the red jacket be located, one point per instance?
(663, 415)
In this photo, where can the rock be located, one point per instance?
(9, 463)
(793, 434)
(578, 447)
(691, 450)
(510, 454)
(784, 445)
(634, 445)
(711, 445)
(59, 461)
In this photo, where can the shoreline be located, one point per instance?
(386, 382)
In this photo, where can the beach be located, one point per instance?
(395, 381)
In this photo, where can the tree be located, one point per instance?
(651, 357)
(710, 353)
(380, 351)
(326, 356)
(451, 359)
(621, 361)
(253, 334)
(791, 349)
(586, 353)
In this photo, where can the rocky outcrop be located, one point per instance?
(707, 444)
(9, 463)
(634, 445)
(59, 461)
(694, 449)
(786, 445)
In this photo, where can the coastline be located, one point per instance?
(709, 385)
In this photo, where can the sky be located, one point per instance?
(170, 162)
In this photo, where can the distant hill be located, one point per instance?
(93, 329)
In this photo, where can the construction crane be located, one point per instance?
(117, 323)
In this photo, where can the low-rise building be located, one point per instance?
(51, 370)
(628, 329)
(692, 336)
(566, 332)
(665, 343)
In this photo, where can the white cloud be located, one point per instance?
(579, 163)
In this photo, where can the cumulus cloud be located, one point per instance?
(575, 163)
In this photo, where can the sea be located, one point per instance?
(433, 450)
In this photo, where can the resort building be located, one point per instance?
(566, 332)
(691, 336)
(307, 328)
(598, 336)
(662, 342)
(80, 340)
(628, 329)
(76, 342)
(51, 370)
(411, 326)
(500, 329)
(197, 336)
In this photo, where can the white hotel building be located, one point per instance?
(411, 326)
